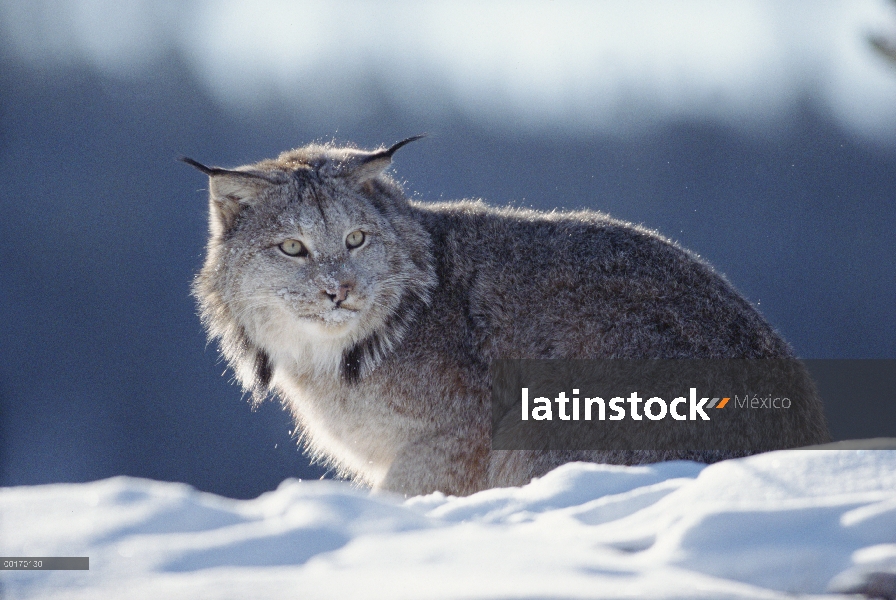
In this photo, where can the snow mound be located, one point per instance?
(768, 526)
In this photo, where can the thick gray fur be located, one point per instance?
(382, 352)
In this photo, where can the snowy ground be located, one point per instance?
(805, 522)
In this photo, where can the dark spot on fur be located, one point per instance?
(352, 361)
(262, 370)
(364, 356)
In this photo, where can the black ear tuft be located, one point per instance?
(387, 154)
(218, 171)
(230, 191)
(207, 170)
(375, 163)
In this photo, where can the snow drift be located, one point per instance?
(767, 526)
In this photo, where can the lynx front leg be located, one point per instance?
(441, 463)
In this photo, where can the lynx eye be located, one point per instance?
(293, 248)
(354, 239)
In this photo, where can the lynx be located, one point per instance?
(374, 318)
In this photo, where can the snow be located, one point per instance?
(767, 526)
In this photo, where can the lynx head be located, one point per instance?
(314, 263)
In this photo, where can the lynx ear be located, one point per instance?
(229, 192)
(375, 163)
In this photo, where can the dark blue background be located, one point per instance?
(104, 367)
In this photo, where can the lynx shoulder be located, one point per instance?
(375, 318)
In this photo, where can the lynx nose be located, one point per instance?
(338, 295)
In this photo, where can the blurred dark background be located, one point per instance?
(104, 367)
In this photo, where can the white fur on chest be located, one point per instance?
(352, 428)
(298, 345)
(355, 430)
